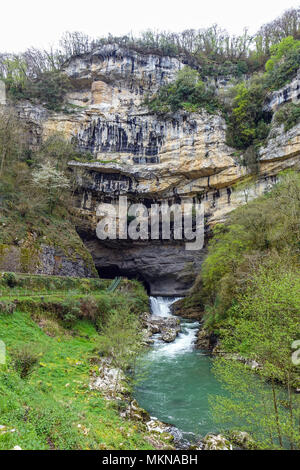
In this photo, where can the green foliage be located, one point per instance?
(24, 359)
(281, 50)
(265, 321)
(49, 88)
(263, 231)
(284, 70)
(247, 123)
(54, 407)
(186, 92)
(10, 279)
(251, 406)
(289, 115)
(16, 77)
(263, 324)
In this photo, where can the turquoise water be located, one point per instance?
(178, 379)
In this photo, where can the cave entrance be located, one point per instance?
(112, 271)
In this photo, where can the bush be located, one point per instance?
(289, 115)
(247, 123)
(89, 308)
(24, 359)
(48, 88)
(186, 92)
(7, 307)
(263, 232)
(10, 279)
(70, 311)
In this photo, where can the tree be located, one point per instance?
(52, 182)
(252, 405)
(264, 323)
(281, 50)
(121, 340)
(12, 139)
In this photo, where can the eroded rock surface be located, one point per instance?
(153, 159)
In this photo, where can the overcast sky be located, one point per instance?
(39, 23)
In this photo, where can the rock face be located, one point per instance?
(288, 93)
(152, 159)
(45, 260)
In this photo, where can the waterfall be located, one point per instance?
(160, 306)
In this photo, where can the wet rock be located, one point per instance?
(169, 327)
(169, 335)
(154, 425)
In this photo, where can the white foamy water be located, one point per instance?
(160, 306)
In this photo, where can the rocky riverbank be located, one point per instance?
(168, 328)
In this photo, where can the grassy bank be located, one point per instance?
(45, 399)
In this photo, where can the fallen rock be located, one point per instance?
(110, 380)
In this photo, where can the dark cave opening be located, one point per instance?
(112, 271)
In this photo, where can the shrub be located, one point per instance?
(69, 320)
(89, 308)
(247, 123)
(10, 279)
(70, 311)
(186, 92)
(289, 115)
(24, 359)
(7, 307)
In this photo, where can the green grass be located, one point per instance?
(53, 407)
(18, 285)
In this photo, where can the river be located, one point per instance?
(177, 378)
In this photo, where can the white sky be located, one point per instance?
(41, 23)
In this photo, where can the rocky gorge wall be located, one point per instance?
(153, 159)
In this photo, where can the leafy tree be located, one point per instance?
(186, 92)
(12, 139)
(262, 326)
(281, 50)
(121, 340)
(247, 121)
(52, 182)
(250, 404)
(263, 231)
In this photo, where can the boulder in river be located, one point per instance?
(169, 327)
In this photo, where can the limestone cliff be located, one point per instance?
(150, 158)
